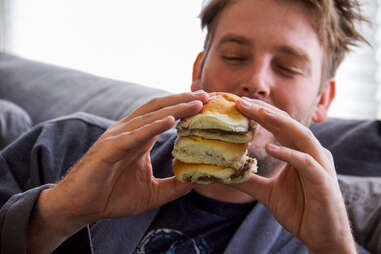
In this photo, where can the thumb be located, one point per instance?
(258, 187)
(170, 189)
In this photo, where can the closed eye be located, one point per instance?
(287, 71)
(234, 59)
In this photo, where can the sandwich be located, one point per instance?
(212, 146)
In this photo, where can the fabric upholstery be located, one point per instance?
(13, 122)
(355, 145)
(47, 91)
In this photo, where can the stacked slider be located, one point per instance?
(212, 145)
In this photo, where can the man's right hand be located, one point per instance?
(114, 178)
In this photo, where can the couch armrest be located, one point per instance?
(46, 91)
(355, 145)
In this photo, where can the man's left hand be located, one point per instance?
(304, 196)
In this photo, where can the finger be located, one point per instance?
(143, 135)
(178, 111)
(304, 163)
(168, 189)
(272, 119)
(257, 186)
(161, 102)
(262, 104)
(140, 140)
(285, 129)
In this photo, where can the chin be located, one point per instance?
(267, 163)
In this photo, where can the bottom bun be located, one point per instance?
(207, 174)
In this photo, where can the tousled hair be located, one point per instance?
(335, 24)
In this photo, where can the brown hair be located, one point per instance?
(334, 23)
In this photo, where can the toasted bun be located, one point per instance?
(207, 174)
(207, 151)
(218, 113)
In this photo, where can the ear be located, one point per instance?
(196, 74)
(325, 98)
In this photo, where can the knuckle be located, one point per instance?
(329, 155)
(308, 136)
(309, 133)
(308, 160)
(328, 152)
(284, 113)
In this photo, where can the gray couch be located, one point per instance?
(45, 92)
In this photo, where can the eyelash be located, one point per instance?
(235, 59)
(287, 71)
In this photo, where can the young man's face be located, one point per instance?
(266, 50)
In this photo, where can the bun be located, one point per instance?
(207, 174)
(199, 150)
(212, 145)
(219, 113)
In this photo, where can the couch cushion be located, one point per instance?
(47, 91)
(14, 121)
(355, 145)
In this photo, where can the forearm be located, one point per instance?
(345, 250)
(344, 243)
(334, 234)
(50, 225)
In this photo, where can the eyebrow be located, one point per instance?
(295, 52)
(241, 40)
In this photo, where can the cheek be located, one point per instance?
(216, 77)
(295, 100)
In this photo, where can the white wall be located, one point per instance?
(153, 43)
(356, 77)
(2, 25)
(148, 42)
(378, 56)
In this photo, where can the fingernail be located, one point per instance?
(196, 102)
(266, 112)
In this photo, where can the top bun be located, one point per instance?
(218, 113)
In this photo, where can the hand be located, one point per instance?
(116, 173)
(304, 196)
(114, 178)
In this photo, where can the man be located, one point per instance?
(280, 58)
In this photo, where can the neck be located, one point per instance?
(222, 192)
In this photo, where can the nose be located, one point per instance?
(257, 83)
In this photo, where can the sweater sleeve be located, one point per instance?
(362, 196)
(35, 162)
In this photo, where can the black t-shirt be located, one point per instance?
(193, 224)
